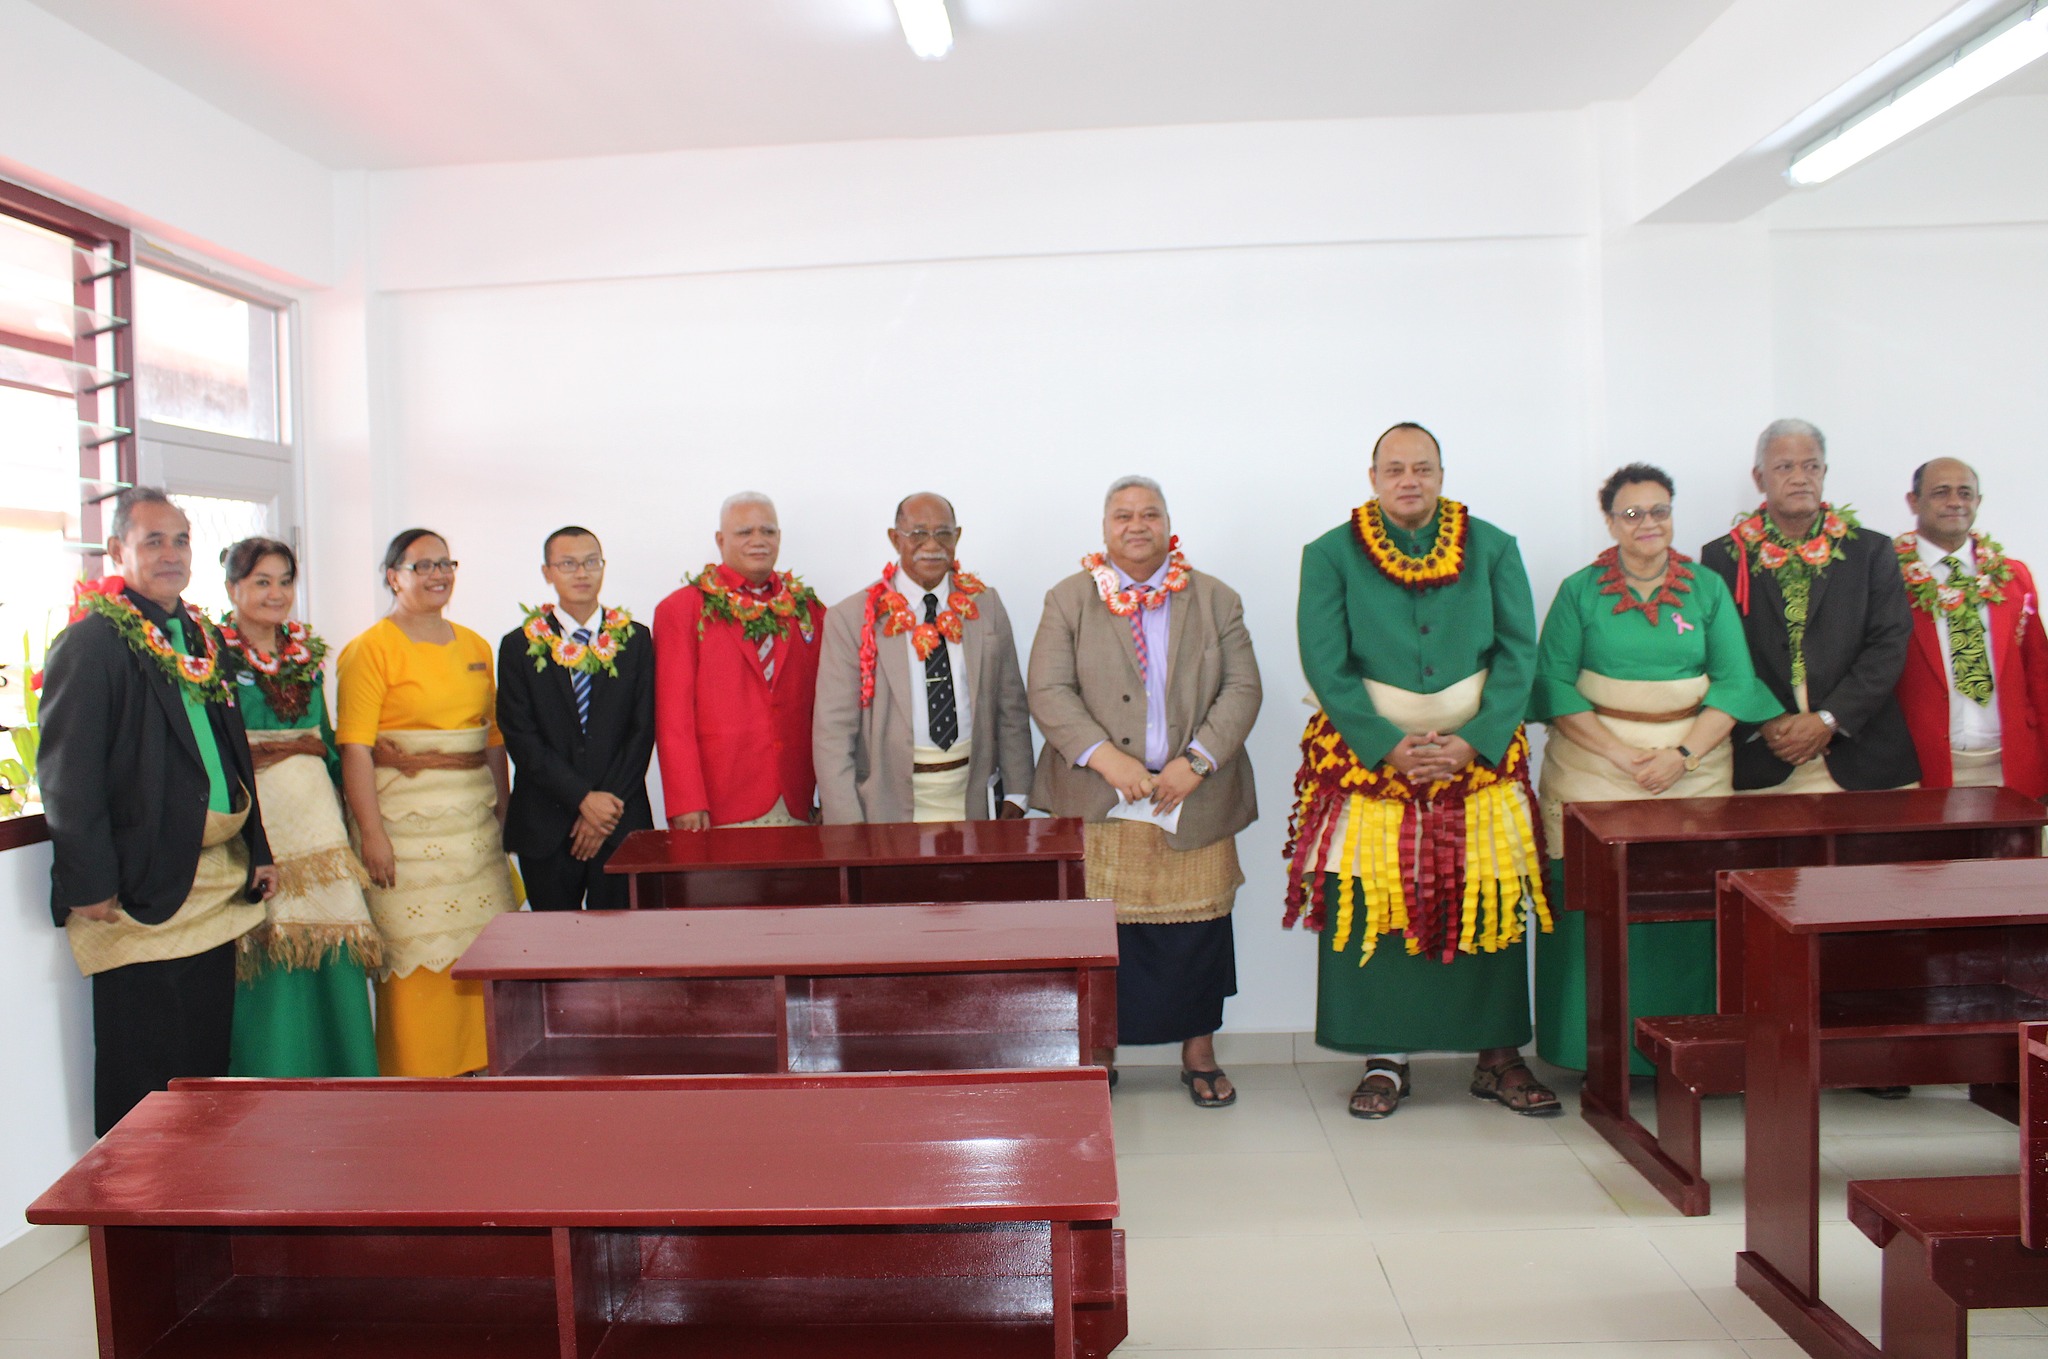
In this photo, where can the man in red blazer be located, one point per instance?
(1975, 688)
(735, 672)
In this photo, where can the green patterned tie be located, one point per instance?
(1972, 663)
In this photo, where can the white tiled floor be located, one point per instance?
(1284, 1229)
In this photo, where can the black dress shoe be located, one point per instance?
(1886, 1091)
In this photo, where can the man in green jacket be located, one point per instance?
(1413, 847)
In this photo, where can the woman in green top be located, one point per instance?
(1642, 671)
(302, 1000)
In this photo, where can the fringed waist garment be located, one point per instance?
(318, 909)
(1451, 867)
(439, 807)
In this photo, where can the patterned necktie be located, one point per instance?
(1967, 654)
(579, 684)
(1138, 641)
(938, 686)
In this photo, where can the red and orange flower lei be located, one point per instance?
(197, 675)
(599, 657)
(286, 679)
(1677, 581)
(893, 609)
(1441, 565)
(759, 616)
(1937, 597)
(1123, 601)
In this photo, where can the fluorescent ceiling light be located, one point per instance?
(925, 27)
(1969, 70)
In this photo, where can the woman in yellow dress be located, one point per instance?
(424, 773)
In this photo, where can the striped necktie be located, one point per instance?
(942, 713)
(767, 654)
(579, 682)
(1138, 641)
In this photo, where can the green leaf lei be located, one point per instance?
(1796, 565)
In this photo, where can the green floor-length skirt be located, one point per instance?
(1670, 972)
(305, 1022)
(1403, 1002)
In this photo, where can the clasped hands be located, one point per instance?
(1653, 770)
(1135, 783)
(596, 818)
(1431, 756)
(1797, 738)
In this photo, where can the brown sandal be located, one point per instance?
(1373, 1101)
(1531, 1097)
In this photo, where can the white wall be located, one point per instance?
(46, 1013)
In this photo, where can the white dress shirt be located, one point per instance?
(568, 625)
(956, 653)
(1971, 725)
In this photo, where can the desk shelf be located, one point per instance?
(1992, 1008)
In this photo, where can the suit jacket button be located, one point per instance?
(1127, 740)
(1127, 698)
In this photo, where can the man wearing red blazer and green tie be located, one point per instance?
(735, 673)
(1975, 688)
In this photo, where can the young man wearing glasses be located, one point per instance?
(576, 706)
(921, 707)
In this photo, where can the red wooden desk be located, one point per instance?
(1936, 961)
(1035, 859)
(938, 1214)
(1655, 860)
(815, 988)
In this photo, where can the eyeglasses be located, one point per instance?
(918, 537)
(439, 566)
(1635, 514)
(573, 566)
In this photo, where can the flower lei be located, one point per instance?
(1126, 600)
(758, 618)
(197, 675)
(599, 657)
(1796, 566)
(1441, 565)
(1938, 597)
(287, 679)
(897, 619)
(1677, 581)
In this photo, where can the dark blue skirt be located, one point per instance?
(1171, 980)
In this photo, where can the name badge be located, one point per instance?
(479, 665)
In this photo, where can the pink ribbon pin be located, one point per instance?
(1678, 621)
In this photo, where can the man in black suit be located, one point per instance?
(1805, 576)
(160, 861)
(576, 706)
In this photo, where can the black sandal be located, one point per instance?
(1211, 1100)
(1384, 1101)
(1532, 1098)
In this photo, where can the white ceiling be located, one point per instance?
(388, 83)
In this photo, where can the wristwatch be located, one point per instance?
(1692, 761)
(1198, 762)
(1829, 719)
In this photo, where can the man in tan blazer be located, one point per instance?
(921, 708)
(1144, 683)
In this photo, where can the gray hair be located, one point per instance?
(739, 498)
(1126, 483)
(126, 503)
(1788, 428)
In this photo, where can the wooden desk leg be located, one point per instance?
(1921, 1321)
(1605, 903)
(1780, 1268)
(1062, 1290)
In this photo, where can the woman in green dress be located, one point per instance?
(302, 999)
(1642, 670)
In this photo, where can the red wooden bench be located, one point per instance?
(1036, 859)
(922, 1215)
(814, 988)
(1956, 1243)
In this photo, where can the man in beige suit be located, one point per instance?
(1144, 683)
(921, 708)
